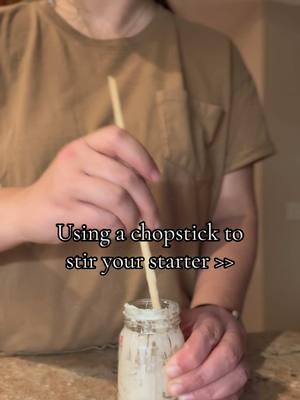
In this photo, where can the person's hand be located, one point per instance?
(210, 365)
(98, 180)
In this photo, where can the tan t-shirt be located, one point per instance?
(186, 96)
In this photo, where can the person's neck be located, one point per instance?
(107, 19)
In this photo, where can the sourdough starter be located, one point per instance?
(149, 338)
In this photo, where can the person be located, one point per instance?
(194, 131)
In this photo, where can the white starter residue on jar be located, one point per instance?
(149, 338)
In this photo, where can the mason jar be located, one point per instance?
(147, 341)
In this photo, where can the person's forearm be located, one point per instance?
(10, 202)
(227, 287)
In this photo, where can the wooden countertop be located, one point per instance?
(92, 375)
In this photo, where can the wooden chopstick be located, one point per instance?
(145, 248)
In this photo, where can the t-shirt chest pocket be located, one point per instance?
(188, 128)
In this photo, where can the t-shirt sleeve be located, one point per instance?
(248, 137)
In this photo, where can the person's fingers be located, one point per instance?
(226, 387)
(95, 217)
(222, 360)
(236, 396)
(233, 397)
(204, 338)
(102, 166)
(117, 143)
(110, 197)
(225, 356)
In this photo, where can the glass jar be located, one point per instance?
(147, 341)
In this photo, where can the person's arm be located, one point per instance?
(211, 362)
(236, 209)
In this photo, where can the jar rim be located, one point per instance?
(141, 310)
